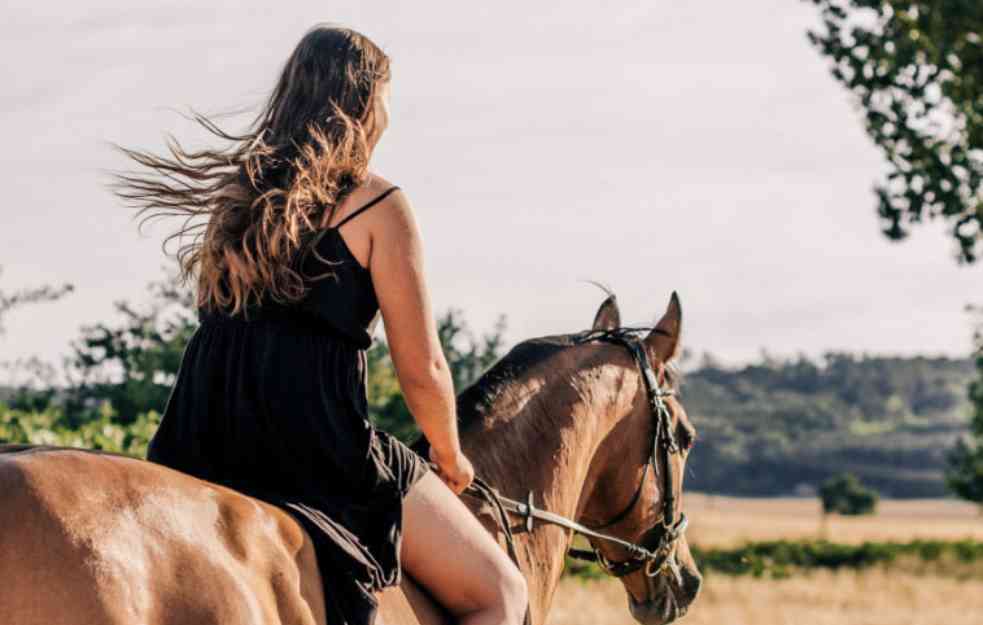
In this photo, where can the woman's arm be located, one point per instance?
(396, 265)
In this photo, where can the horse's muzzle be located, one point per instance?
(669, 602)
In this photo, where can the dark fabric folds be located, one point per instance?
(275, 406)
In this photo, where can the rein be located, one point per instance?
(656, 554)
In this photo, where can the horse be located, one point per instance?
(91, 537)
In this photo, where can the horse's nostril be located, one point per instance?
(691, 585)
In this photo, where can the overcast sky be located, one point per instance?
(695, 146)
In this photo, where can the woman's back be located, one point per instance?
(272, 402)
(341, 297)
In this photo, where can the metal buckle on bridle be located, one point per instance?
(667, 562)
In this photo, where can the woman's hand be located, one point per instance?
(455, 469)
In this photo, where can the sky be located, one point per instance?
(654, 146)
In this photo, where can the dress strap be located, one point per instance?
(358, 211)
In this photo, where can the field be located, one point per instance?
(821, 598)
(729, 521)
(876, 596)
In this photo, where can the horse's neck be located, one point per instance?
(519, 449)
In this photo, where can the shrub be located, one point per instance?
(844, 494)
(51, 427)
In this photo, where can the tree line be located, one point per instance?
(774, 427)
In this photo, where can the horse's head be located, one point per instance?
(625, 492)
(572, 421)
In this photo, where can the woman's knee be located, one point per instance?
(512, 591)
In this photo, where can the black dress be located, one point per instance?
(274, 405)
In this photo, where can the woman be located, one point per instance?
(296, 251)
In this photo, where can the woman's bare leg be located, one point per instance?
(449, 552)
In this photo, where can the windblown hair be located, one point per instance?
(250, 208)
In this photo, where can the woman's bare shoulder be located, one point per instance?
(373, 186)
(394, 209)
(377, 182)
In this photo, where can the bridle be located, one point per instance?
(660, 541)
(656, 553)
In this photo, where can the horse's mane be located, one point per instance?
(477, 399)
(480, 396)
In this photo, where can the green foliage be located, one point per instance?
(105, 432)
(126, 371)
(965, 473)
(467, 357)
(132, 364)
(916, 67)
(782, 558)
(387, 409)
(767, 428)
(582, 569)
(844, 494)
(784, 426)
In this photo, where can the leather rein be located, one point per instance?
(656, 553)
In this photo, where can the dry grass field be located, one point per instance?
(822, 598)
(873, 597)
(730, 521)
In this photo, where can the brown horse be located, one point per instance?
(96, 538)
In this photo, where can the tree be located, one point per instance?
(467, 358)
(124, 370)
(25, 395)
(965, 474)
(132, 364)
(844, 494)
(917, 68)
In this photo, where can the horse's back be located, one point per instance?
(89, 537)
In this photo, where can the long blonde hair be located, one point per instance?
(250, 208)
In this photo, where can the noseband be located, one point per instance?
(657, 550)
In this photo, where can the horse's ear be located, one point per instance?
(664, 339)
(608, 317)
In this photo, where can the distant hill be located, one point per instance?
(776, 427)
(781, 428)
